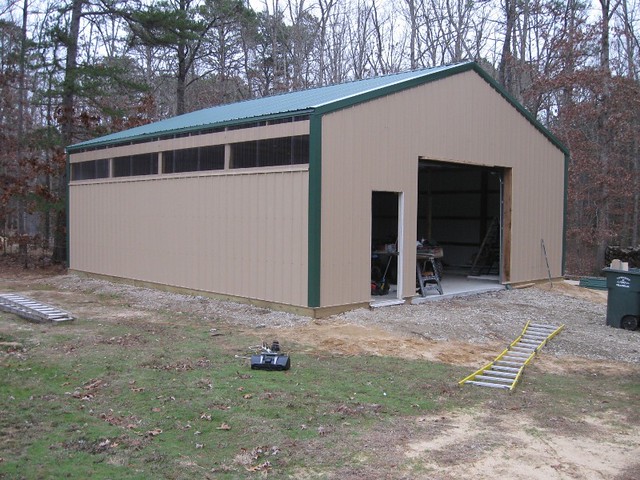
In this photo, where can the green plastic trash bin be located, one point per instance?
(623, 298)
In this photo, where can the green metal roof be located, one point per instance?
(315, 100)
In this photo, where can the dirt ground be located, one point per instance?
(404, 341)
(494, 443)
(498, 445)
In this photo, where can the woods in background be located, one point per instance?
(72, 70)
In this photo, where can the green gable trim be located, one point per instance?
(439, 75)
(526, 113)
(319, 100)
(391, 89)
(315, 212)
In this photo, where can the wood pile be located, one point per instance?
(625, 254)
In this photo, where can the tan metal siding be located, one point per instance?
(219, 138)
(241, 234)
(376, 146)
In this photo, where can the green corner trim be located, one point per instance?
(315, 211)
(67, 203)
(567, 158)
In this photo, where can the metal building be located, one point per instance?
(280, 201)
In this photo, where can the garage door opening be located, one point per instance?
(461, 209)
(386, 258)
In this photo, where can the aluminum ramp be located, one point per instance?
(506, 370)
(32, 310)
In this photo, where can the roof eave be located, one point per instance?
(97, 143)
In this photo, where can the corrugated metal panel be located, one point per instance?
(237, 234)
(277, 105)
(376, 146)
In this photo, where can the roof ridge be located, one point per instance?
(319, 99)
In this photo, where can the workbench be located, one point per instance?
(425, 261)
(427, 282)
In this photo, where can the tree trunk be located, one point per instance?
(181, 79)
(635, 224)
(630, 48)
(326, 6)
(67, 126)
(504, 71)
(604, 40)
(413, 34)
(21, 209)
(181, 74)
(603, 224)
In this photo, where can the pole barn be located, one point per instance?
(297, 201)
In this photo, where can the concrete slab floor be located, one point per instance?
(453, 285)
(460, 285)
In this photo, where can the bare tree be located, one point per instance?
(327, 21)
(22, 99)
(360, 38)
(302, 41)
(69, 89)
(630, 53)
(388, 52)
(506, 58)
(412, 18)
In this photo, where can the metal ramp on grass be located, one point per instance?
(32, 310)
(506, 370)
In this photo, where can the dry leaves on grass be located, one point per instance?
(224, 426)
(89, 389)
(261, 467)
(248, 458)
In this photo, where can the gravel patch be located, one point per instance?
(476, 319)
(207, 308)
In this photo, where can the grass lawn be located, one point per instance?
(133, 398)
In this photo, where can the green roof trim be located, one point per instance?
(527, 114)
(319, 100)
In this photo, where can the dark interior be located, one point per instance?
(459, 210)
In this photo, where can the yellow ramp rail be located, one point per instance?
(506, 370)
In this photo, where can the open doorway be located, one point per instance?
(386, 258)
(460, 209)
